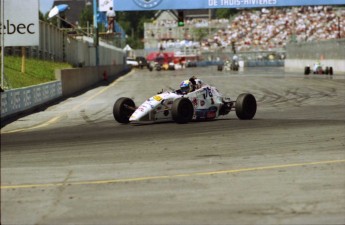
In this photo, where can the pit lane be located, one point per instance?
(72, 163)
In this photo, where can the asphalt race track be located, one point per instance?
(74, 164)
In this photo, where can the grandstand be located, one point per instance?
(266, 29)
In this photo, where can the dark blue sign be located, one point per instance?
(139, 5)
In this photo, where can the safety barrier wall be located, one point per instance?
(330, 53)
(330, 49)
(75, 80)
(21, 99)
(70, 81)
(266, 63)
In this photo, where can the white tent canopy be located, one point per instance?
(129, 51)
(127, 48)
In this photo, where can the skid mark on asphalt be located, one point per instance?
(57, 118)
(164, 177)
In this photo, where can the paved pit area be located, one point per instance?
(74, 164)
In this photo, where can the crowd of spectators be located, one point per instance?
(273, 28)
(255, 29)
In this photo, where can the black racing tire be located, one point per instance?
(220, 68)
(182, 110)
(306, 70)
(171, 67)
(326, 70)
(330, 70)
(121, 111)
(246, 106)
(234, 66)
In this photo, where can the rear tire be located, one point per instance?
(220, 67)
(245, 106)
(123, 109)
(182, 110)
(326, 70)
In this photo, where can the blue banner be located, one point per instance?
(139, 5)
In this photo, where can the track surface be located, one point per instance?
(73, 164)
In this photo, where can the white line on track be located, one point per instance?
(162, 177)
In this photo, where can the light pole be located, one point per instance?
(95, 35)
(305, 30)
(339, 15)
(2, 19)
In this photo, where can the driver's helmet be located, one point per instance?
(186, 87)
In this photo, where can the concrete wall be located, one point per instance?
(77, 79)
(329, 53)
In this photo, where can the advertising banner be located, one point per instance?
(19, 23)
(138, 5)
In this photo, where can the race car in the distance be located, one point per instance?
(318, 69)
(205, 103)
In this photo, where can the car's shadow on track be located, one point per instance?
(235, 122)
(151, 123)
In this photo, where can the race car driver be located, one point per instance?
(190, 85)
(186, 86)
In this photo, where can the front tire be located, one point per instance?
(306, 70)
(123, 109)
(182, 110)
(245, 106)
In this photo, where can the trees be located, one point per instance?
(225, 13)
(133, 25)
(86, 16)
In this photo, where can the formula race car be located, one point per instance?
(227, 66)
(205, 103)
(318, 70)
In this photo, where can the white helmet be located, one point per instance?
(198, 83)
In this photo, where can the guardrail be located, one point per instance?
(21, 99)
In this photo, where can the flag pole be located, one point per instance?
(95, 25)
(2, 19)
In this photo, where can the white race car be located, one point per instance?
(205, 103)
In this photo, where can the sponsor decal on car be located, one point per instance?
(212, 113)
(157, 98)
(209, 113)
(195, 101)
